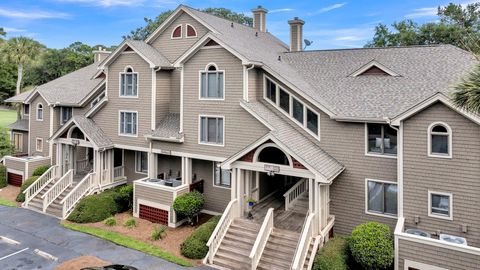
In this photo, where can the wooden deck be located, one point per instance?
(291, 220)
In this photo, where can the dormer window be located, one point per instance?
(65, 114)
(26, 109)
(191, 32)
(39, 112)
(177, 32)
(439, 140)
(374, 68)
(212, 83)
(129, 83)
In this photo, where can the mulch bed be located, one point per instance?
(9, 193)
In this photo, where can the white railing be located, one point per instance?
(60, 186)
(83, 165)
(82, 188)
(295, 192)
(40, 184)
(105, 177)
(229, 214)
(262, 239)
(118, 172)
(304, 243)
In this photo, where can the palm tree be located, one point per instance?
(467, 94)
(20, 51)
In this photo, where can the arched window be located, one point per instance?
(177, 32)
(270, 153)
(191, 32)
(212, 83)
(39, 112)
(128, 82)
(439, 140)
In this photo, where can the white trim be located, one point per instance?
(189, 155)
(371, 64)
(104, 64)
(9, 170)
(422, 266)
(12, 135)
(131, 148)
(265, 145)
(429, 140)
(36, 111)
(136, 159)
(119, 124)
(200, 125)
(173, 31)
(290, 113)
(186, 31)
(284, 169)
(373, 154)
(120, 82)
(400, 170)
(37, 139)
(181, 97)
(200, 72)
(450, 205)
(368, 212)
(154, 100)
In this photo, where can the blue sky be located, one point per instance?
(329, 23)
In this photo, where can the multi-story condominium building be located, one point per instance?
(321, 140)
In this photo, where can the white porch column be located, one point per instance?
(233, 188)
(311, 195)
(152, 165)
(317, 206)
(188, 170)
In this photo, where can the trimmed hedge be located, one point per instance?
(371, 246)
(189, 205)
(25, 185)
(333, 255)
(40, 170)
(195, 246)
(3, 176)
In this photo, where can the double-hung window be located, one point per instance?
(211, 130)
(128, 123)
(381, 198)
(440, 140)
(39, 112)
(129, 83)
(381, 139)
(141, 162)
(65, 114)
(212, 83)
(26, 109)
(440, 205)
(222, 177)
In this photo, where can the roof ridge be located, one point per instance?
(375, 48)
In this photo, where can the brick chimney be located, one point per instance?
(260, 18)
(100, 54)
(296, 34)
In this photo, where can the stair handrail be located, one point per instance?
(303, 243)
(77, 193)
(295, 192)
(221, 229)
(262, 239)
(46, 178)
(60, 186)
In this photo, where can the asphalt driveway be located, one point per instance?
(35, 231)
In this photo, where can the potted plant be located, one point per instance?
(251, 202)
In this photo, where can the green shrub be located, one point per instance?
(124, 197)
(111, 221)
(40, 170)
(130, 223)
(25, 185)
(189, 205)
(371, 245)
(158, 232)
(333, 255)
(94, 208)
(195, 246)
(3, 176)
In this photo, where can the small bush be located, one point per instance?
(111, 221)
(130, 223)
(25, 185)
(371, 246)
(40, 170)
(195, 246)
(333, 255)
(3, 176)
(158, 232)
(124, 198)
(189, 205)
(94, 208)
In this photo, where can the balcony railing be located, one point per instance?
(118, 173)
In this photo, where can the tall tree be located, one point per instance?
(2, 35)
(143, 32)
(20, 51)
(467, 93)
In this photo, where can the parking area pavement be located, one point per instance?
(35, 231)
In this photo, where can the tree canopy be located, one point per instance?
(457, 25)
(143, 32)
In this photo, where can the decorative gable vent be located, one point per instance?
(128, 49)
(211, 43)
(374, 68)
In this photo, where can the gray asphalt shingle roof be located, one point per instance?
(297, 142)
(149, 52)
(21, 124)
(168, 128)
(19, 98)
(94, 132)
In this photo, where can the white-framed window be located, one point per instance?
(439, 140)
(141, 162)
(211, 130)
(128, 123)
(65, 114)
(212, 83)
(440, 205)
(177, 32)
(17, 140)
(26, 109)
(39, 145)
(191, 32)
(221, 178)
(39, 112)
(129, 83)
(298, 111)
(381, 139)
(381, 197)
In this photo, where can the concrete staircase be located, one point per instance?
(280, 250)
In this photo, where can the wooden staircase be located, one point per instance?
(279, 251)
(309, 255)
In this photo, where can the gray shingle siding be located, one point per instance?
(216, 198)
(39, 129)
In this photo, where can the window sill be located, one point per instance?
(441, 216)
(439, 156)
(211, 99)
(212, 144)
(131, 97)
(224, 187)
(381, 215)
(128, 135)
(381, 155)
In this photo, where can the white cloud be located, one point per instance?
(32, 14)
(328, 8)
(13, 30)
(422, 12)
(342, 37)
(278, 10)
(107, 3)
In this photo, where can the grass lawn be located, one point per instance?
(128, 242)
(7, 203)
(7, 117)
